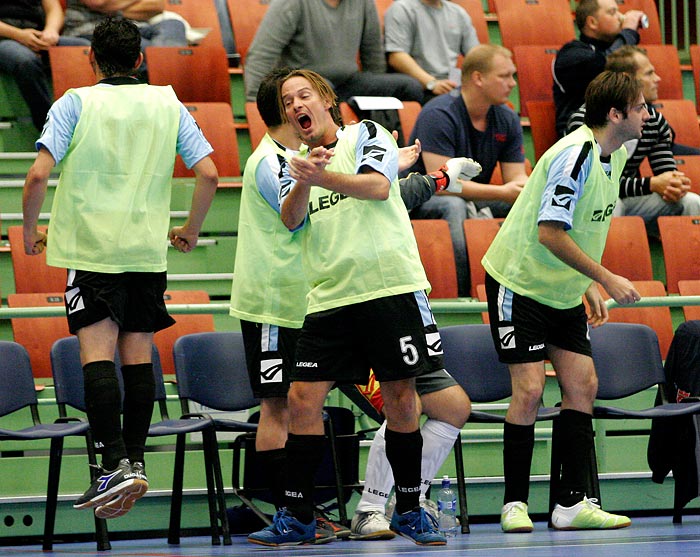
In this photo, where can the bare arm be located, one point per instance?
(474, 190)
(33, 197)
(405, 63)
(553, 236)
(108, 6)
(184, 238)
(295, 206)
(54, 21)
(143, 10)
(31, 38)
(598, 314)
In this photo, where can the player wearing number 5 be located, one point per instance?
(367, 306)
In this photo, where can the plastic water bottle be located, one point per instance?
(447, 509)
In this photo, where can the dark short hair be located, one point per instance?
(266, 99)
(610, 90)
(116, 43)
(584, 9)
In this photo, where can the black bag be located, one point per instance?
(674, 443)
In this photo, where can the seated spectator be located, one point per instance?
(603, 29)
(667, 192)
(476, 124)
(83, 15)
(424, 38)
(295, 33)
(27, 29)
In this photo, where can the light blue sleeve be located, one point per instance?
(267, 179)
(564, 187)
(192, 146)
(286, 184)
(375, 149)
(60, 124)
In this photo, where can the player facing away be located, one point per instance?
(110, 222)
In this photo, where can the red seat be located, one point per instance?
(216, 122)
(437, 255)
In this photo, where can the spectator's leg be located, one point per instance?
(27, 69)
(454, 210)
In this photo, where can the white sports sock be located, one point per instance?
(379, 478)
(438, 440)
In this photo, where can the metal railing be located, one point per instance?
(460, 305)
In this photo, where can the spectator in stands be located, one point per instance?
(667, 191)
(544, 259)
(423, 39)
(27, 29)
(83, 15)
(269, 297)
(290, 35)
(602, 30)
(475, 124)
(110, 220)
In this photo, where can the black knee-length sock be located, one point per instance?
(139, 392)
(103, 407)
(304, 454)
(403, 451)
(518, 445)
(576, 444)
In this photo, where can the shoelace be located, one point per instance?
(513, 510)
(282, 521)
(592, 502)
(424, 522)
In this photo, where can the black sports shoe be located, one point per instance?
(139, 468)
(110, 484)
(122, 503)
(338, 530)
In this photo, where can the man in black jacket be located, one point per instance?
(603, 29)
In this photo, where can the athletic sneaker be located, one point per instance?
(586, 515)
(514, 518)
(123, 502)
(139, 468)
(428, 506)
(418, 526)
(285, 530)
(370, 525)
(324, 533)
(339, 531)
(109, 484)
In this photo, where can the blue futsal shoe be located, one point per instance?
(285, 530)
(418, 526)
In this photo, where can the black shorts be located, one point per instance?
(396, 336)
(134, 301)
(522, 328)
(269, 354)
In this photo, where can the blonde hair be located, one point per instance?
(480, 59)
(322, 87)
